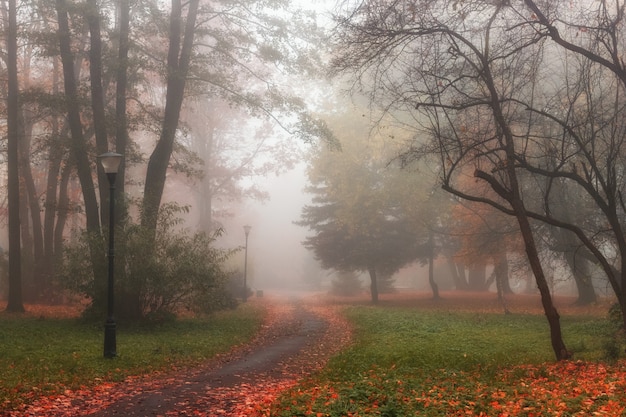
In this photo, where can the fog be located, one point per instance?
(276, 257)
(275, 252)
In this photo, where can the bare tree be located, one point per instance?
(527, 94)
(456, 69)
(588, 117)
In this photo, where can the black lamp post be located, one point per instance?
(246, 230)
(110, 162)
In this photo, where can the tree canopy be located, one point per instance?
(361, 216)
(90, 82)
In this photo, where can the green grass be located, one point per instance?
(40, 356)
(408, 362)
(461, 341)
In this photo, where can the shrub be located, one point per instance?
(156, 275)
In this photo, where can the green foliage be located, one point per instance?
(76, 273)
(364, 208)
(46, 356)
(155, 277)
(406, 362)
(614, 346)
(615, 314)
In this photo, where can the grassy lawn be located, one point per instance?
(408, 358)
(40, 356)
(408, 362)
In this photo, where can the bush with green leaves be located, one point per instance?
(156, 275)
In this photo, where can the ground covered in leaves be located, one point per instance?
(414, 358)
(300, 335)
(556, 389)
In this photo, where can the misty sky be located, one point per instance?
(275, 252)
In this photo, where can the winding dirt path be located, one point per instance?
(299, 335)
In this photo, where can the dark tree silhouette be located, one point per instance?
(15, 303)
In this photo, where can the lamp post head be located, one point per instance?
(110, 161)
(246, 229)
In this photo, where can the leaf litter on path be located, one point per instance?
(297, 338)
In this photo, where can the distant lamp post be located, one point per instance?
(110, 161)
(246, 230)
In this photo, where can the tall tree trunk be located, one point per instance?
(477, 277)
(501, 271)
(459, 281)
(501, 295)
(79, 152)
(55, 160)
(431, 266)
(373, 284)
(30, 201)
(15, 303)
(576, 257)
(582, 277)
(558, 345)
(32, 232)
(501, 274)
(121, 144)
(37, 230)
(63, 209)
(51, 208)
(97, 101)
(461, 274)
(78, 145)
(27, 257)
(178, 60)
(513, 196)
(121, 123)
